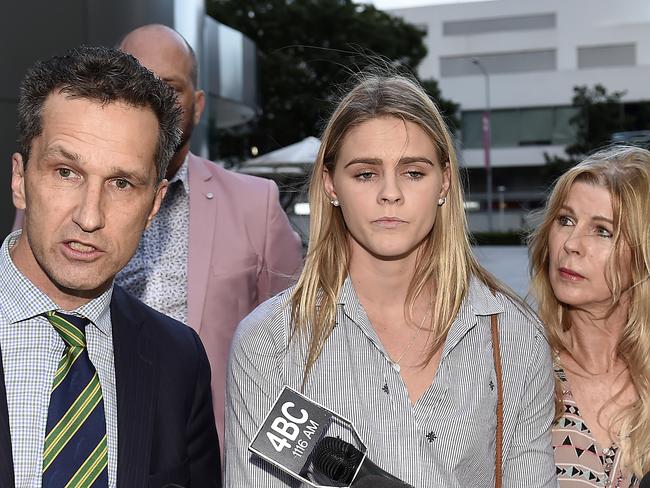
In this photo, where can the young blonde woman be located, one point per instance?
(390, 322)
(590, 260)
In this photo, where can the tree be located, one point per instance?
(307, 48)
(599, 115)
(448, 108)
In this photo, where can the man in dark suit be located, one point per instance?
(96, 389)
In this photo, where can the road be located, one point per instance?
(508, 263)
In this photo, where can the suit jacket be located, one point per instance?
(242, 250)
(166, 431)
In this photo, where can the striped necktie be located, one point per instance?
(75, 453)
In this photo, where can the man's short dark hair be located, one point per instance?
(104, 75)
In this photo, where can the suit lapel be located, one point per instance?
(136, 378)
(203, 209)
(6, 459)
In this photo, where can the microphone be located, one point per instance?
(291, 430)
(341, 462)
(303, 439)
(645, 481)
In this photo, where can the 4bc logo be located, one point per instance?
(286, 428)
(290, 431)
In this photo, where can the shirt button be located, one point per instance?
(431, 436)
(209, 196)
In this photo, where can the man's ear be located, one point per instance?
(161, 191)
(199, 105)
(18, 181)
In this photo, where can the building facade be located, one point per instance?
(530, 54)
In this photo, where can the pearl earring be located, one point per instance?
(441, 201)
(335, 202)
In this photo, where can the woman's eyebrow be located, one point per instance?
(378, 161)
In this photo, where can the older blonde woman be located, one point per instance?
(391, 321)
(590, 259)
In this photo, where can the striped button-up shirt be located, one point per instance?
(31, 349)
(446, 439)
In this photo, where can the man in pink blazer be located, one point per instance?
(242, 249)
(221, 243)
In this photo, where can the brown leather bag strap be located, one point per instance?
(496, 353)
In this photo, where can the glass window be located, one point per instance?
(536, 126)
(498, 24)
(505, 126)
(602, 56)
(509, 62)
(472, 131)
(563, 132)
(520, 127)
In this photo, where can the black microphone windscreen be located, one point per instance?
(337, 459)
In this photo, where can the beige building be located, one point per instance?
(532, 53)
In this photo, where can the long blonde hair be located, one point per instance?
(625, 172)
(445, 257)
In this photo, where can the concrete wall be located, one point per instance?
(580, 23)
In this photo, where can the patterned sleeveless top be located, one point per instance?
(579, 462)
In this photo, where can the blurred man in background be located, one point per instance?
(221, 243)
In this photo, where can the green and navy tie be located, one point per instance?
(75, 453)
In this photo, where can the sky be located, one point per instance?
(388, 4)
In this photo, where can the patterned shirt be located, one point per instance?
(31, 349)
(447, 438)
(157, 273)
(580, 463)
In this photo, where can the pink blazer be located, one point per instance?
(242, 251)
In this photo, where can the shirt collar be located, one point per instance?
(182, 175)
(479, 301)
(21, 300)
(478, 298)
(347, 295)
(351, 306)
